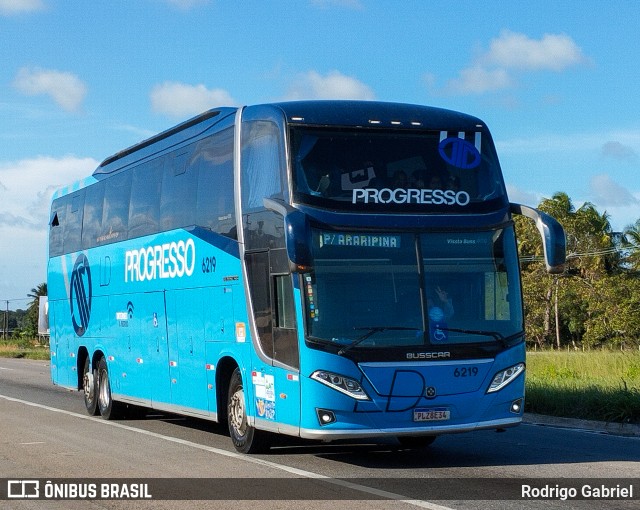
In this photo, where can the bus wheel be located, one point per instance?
(246, 438)
(416, 442)
(109, 409)
(90, 387)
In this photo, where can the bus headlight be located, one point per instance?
(341, 383)
(504, 377)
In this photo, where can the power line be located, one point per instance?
(599, 253)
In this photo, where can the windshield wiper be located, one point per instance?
(498, 336)
(370, 332)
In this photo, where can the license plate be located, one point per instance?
(433, 414)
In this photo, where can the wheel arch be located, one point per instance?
(224, 371)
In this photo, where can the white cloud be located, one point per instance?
(619, 152)
(66, 89)
(334, 85)
(182, 100)
(554, 52)
(493, 70)
(607, 192)
(26, 188)
(518, 196)
(9, 7)
(479, 80)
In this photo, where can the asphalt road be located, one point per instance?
(46, 435)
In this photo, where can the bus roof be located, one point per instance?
(172, 136)
(375, 114)
(314, 113)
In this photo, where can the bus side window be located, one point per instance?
(115, 212)
(92, 219)
(261, 164)
(58, 211)
(285, 334)
(72, 231)
(144, 210)
(178, 198)
(215, 207)
(262, 161)
(258, 276)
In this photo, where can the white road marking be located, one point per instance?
(273, 465)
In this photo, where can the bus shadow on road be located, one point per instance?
(524, 445)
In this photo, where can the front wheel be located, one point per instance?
(245, 438)
(109, 409)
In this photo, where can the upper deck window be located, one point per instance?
(396, 171)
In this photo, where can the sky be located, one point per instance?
(557, 83)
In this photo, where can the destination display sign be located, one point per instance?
(359, 240)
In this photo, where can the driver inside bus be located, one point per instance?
(441, 300)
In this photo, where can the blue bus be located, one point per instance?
(319, 269)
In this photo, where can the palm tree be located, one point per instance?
(40, 290)
(32, 311)
(632, 243)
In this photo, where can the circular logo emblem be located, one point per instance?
(436, 314)
(459, 153)
(430, 392)
(80, 295)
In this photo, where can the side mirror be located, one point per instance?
(552, 233)
(297, 234)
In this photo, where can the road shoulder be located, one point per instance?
(615, 429)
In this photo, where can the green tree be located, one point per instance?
(577, 305)
(632, 244)
(30, 327)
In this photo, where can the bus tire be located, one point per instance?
(416, 442)
(109, 409)
(245, 438)
(90, 387)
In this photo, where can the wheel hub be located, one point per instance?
(237, 414)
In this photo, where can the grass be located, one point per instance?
(592, 385)
(28, 349)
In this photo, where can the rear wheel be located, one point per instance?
(416, 442)
(109, 409)
(90, 387)
(245, 438)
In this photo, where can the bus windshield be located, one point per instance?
(396, 171)
(383, 290)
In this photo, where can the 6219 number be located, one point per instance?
(209, 265)
(465, 372)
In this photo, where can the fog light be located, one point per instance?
(325, 417)
(516, 406)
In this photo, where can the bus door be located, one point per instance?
(219, 333)
(129, 367)
(155, 331)
(275, 372)
(57, 345)
(186, 330)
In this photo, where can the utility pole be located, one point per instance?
(6, 319)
